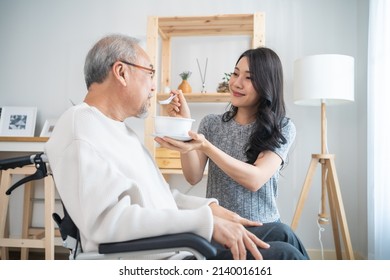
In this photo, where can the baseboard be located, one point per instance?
(316, 254)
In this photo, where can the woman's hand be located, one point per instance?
(193, 160)
(198, 142)
(178, 106)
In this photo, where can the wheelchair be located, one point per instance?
(184, 245)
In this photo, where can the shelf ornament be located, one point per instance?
(224, 85)
(185, 86)
(203, 75)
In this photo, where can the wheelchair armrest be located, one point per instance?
(188, 240)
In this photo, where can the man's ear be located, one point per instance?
(119, 72)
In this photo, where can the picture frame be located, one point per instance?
(18, 121)
(48, 127)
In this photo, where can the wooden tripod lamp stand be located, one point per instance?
(320, 80)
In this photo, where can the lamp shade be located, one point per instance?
(325, 77)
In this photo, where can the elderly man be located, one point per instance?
(111, 186)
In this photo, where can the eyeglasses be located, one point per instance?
(153, 71)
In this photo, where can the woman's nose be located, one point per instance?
(237, 83)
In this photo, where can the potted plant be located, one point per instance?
(224, 85)
(185, 87)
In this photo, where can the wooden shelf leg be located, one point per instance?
(4, 201)
(27, 216)
(49, 222)
(4, 250)
(304, 192)
(339, 208)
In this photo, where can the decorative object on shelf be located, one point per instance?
(203, 77)
(48, 127)
(185, 85)
(224, 85)
(18, 121)
(320, 80)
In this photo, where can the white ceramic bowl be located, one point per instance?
(171, 126)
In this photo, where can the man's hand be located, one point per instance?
(226, 214)
(235, 237)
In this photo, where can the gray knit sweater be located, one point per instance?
(231, 138)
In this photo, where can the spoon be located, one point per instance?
(167, 101)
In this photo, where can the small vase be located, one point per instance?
(185, 87)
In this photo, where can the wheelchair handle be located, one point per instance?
(40, 164)
(20, 161)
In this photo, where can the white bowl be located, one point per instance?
(171, 126)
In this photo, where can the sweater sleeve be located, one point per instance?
(184, 201)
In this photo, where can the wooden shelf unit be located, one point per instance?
(164, 28)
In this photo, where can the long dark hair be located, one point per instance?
(267, 79)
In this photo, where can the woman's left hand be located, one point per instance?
(198, 142)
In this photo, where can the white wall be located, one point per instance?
(44, 43)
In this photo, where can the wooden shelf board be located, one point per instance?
(235, 24)
(201, 97)
(23, 139)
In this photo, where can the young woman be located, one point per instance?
(247, 145)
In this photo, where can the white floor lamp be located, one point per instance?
(321, 80)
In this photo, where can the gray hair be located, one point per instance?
(105, 53)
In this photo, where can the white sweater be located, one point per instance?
(111, 186)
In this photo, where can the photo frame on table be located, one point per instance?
(18, 121)
(48, 127)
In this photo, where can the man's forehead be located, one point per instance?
(143, 57)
